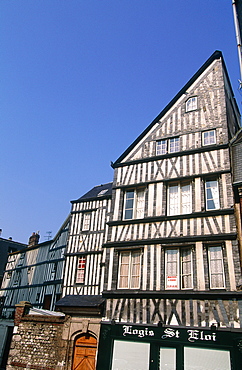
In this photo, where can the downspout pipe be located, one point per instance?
(238, 39)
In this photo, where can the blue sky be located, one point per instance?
(80, 80)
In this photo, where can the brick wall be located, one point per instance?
(38, 344)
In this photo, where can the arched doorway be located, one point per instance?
(85, 349)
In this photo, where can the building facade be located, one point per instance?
(173, 254)
(33, 274)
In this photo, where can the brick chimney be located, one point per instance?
(34, 239)
(21, 309)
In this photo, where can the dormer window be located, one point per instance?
(191, 104)
(102, 192)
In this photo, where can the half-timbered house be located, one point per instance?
(85, 257)
(33, 274)
(172, 253)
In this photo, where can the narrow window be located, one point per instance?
(53, 271)
(209, 137)
(81, 267)
(17, 277)
(86, 221)
(216, 267)
(134, 203)
(191, 104)
(174, 145)
(161, 147)
(129, 270)
(179, 199)
(212, 194)
(178, 268)
(129, 205)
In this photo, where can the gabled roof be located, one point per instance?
(216, 55)
(99, 191)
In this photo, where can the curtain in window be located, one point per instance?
(129, 270)
(216, 267)
(124, 270)
(172, 268)
(135, 270)
(186, 267)
(140, 205)
(186, 198)
(173, 200)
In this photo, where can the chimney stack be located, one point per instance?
(34, 239)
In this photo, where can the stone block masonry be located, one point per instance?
(38, 344)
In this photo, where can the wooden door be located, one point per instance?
(85, 353)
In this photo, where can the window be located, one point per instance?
(161, 147)
(17, 277)
(216, 268)
(174, 145)
(191, 104)
(134, 204)
(21, 259)
(179, 199)
(102, 192)
(129, 270)
(86, 221)
(178, 268)
(81, 267)
(212, 194)
(130, 355)
(47, 301)
(209, 137)
(206, 358)
(167, 358)
(53, 271)
(168, 146)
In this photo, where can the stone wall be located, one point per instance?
(38, 344)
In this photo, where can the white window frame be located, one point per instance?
(208, 137)
(81, 269)
(135, 204)
(212, 272)
(179, 202)
(175, 281)
(161, 147)
(191, 104)
(129, 275)
(214, 197)
(86, 221)
(174, 145)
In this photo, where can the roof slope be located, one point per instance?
(99, 191)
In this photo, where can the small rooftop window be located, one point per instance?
(102, 192)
